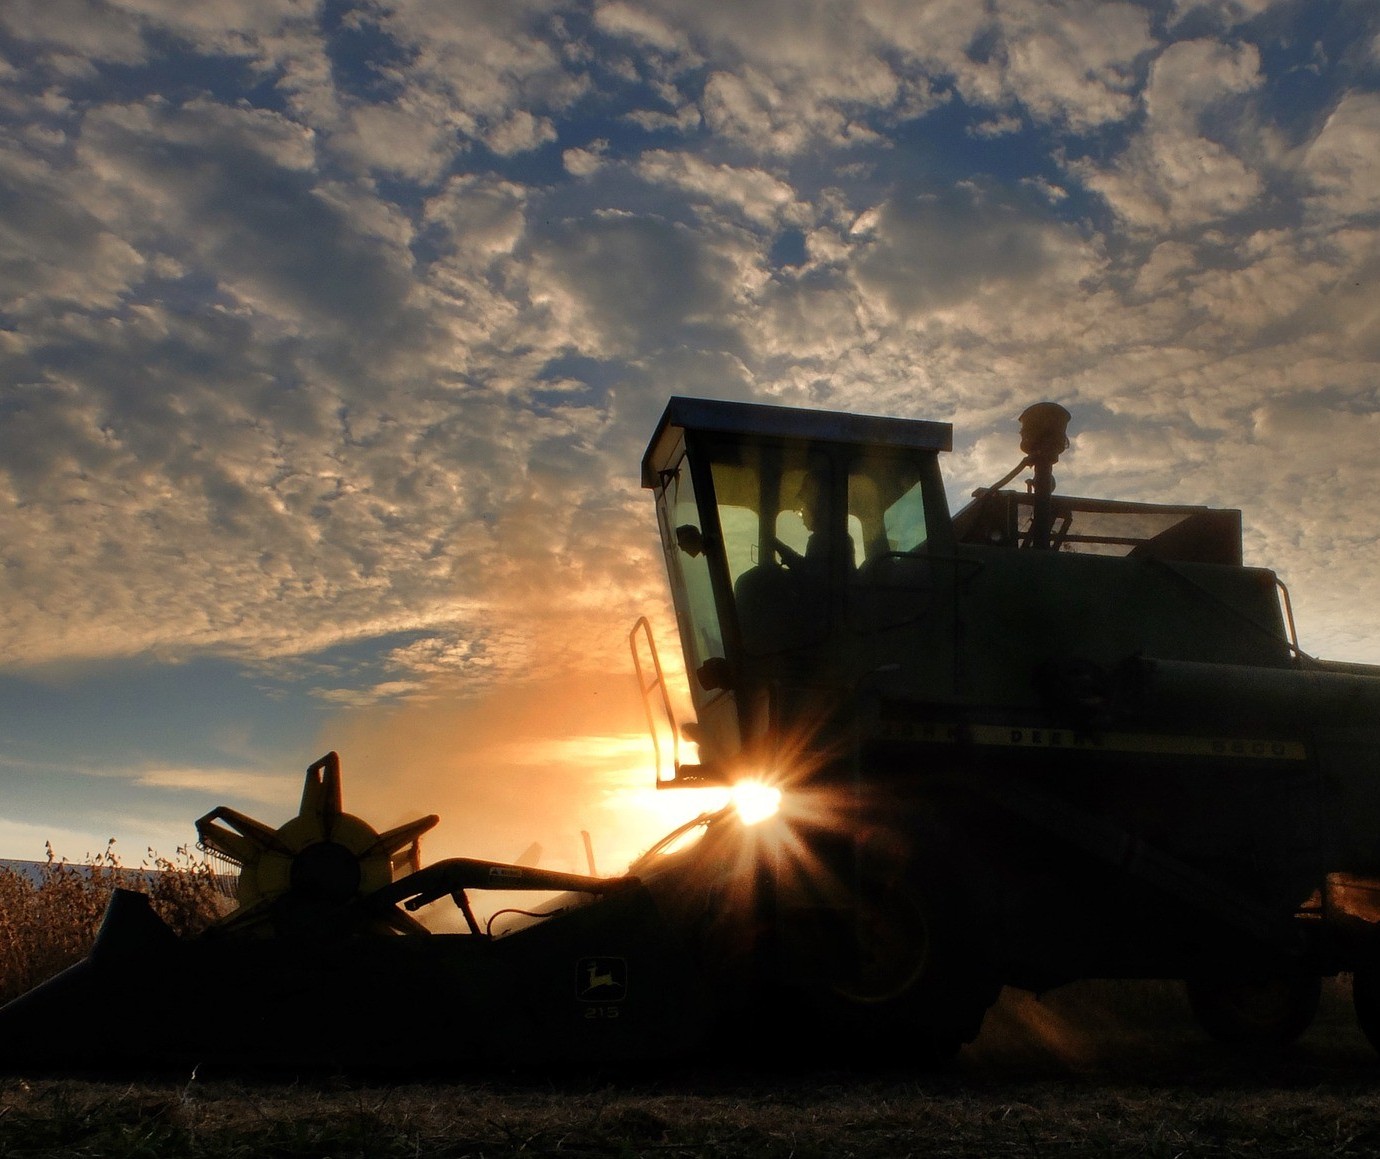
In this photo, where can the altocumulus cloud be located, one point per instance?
(330, 335)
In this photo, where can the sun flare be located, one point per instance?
(755, 801)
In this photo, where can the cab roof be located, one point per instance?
(714, 416)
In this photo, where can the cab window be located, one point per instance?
(774, 507)
(690, 566)
(886, 506)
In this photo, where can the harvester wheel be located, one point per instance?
(1261, 1013)
(1365, 997)
(913, 993)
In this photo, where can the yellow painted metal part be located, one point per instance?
(324, 854)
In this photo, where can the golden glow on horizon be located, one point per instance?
(540, 764)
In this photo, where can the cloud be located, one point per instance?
(323, 345)
(1340, 163)
(1072, 63)
(928, 253)
(639, 24)
(520, 133)
(264, 788)
(797, 75)
(1227, 12)
(758, 195)
(52, 248)
(1186, 167)
(414, 139)
(474, 220)
(584, 162)
(485, 63)
(138, 805)
(632, 283)
(230, 194)
(788, 76)
(77, 27)
(751, 107)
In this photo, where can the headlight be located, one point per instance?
(754, 801)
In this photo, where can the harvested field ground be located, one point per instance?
(1090, 1071)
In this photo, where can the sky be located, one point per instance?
(331, 336)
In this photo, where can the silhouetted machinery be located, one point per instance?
(1042, 739)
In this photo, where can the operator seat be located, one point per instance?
(777, 609)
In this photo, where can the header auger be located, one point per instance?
(322, 867)
(1039, 739)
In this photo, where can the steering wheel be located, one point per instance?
(790, 558)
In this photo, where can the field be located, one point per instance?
(1092, 1070)
(49, 923)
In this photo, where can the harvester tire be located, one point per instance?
(1365, 998)
(1256, 1013)
(917, 992)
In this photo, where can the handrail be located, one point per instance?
(1289, 618)
(646, 687)
(1227, 605)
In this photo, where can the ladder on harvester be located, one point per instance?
(651, 684)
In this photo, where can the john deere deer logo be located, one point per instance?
(601, 979)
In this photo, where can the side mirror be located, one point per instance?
(690, 539)
(714, 673)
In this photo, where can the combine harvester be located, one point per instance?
(1043, 739)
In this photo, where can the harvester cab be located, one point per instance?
(801, 549)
